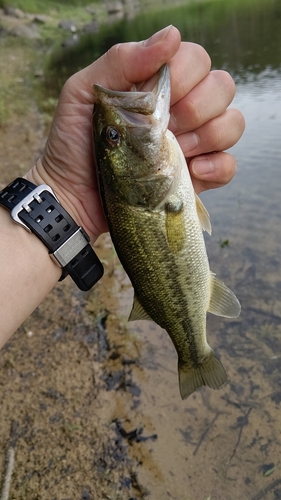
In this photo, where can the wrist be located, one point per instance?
(38, 210)
(27, 275)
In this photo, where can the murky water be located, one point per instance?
(223, 445)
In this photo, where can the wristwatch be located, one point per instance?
(38, 210)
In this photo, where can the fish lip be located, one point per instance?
(139, 101)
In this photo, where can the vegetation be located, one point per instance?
(11, 76)
(44, 6)
(228, 31)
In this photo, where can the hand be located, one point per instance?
(199, 119)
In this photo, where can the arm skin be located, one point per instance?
(200, 119)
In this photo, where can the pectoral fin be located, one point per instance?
(223, 302)
(203, 215)
(175, 228)
(138, 311)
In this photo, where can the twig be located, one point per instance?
(245, 422)
(8, 474)
(10, 462)
(266, 490)
(204, 434)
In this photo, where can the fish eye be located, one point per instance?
(112, 136)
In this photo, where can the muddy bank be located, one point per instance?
(67, 386)
(56, 372)
(57, 378)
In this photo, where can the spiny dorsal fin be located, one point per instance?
(210, 372)
(223, 302)
(203, 215)
(138, 311)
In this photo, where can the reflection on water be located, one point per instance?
(242, 36)
(222, 445)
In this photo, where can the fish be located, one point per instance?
(156, 222)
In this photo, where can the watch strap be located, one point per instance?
(38, 210)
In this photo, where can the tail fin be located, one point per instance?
(210, 373)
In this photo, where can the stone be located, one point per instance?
(13, 12)
(114, 7)
(25, 31)
(68, 25)
(39, 19)
(92, 27)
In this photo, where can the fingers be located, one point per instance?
(128, 63)
(217, 134)
(136, 62)
(188, 67)
(133, 62)
(212, 171)
(208, 99)
(203, 125)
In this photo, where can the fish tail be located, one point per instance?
(210, 372)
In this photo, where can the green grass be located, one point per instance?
(45, 6)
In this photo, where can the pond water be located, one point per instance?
(223, 445)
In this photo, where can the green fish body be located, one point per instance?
(156, 221)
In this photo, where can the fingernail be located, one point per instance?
(202, 166)
(189, 141)
(159, 36)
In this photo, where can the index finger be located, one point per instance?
(189, 66)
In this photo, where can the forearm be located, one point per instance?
(27, 275)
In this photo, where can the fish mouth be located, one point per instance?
(146, 99)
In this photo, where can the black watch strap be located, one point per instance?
(38, 210)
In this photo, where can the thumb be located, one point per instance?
(128, 63)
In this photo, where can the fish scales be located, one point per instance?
(155, 221)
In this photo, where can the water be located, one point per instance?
(221, 445)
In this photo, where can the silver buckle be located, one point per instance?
(25, 202)
(70, 248)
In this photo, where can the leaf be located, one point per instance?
(268, 472)
(224, 243)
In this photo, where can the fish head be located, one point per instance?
(131, 148)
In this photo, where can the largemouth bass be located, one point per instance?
(156, 221)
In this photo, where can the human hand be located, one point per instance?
(199, 119)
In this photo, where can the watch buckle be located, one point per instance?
(25, 202)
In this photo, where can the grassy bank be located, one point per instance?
(45, 6)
